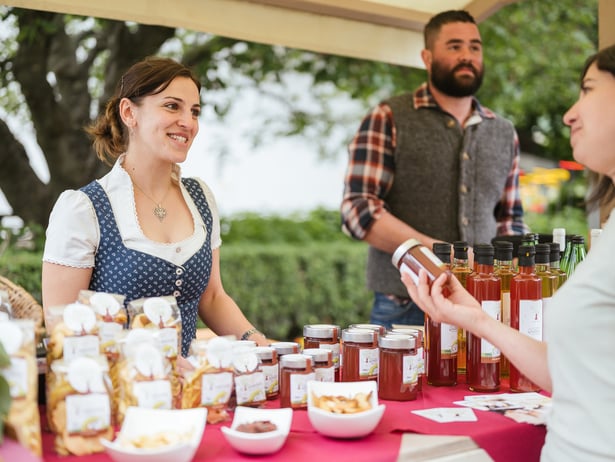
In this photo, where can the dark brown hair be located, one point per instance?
(603, 191)
(147, 77)
(432, 28)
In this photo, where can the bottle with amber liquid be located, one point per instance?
(525, 310)
(547, 277)
(554, 264)
(461, 269)
(503, 268)
(483, 366)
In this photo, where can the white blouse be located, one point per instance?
(73, 234)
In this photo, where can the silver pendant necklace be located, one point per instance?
(159, 211)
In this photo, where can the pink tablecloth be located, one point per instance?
(502, 438)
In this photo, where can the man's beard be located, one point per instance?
(458, 87)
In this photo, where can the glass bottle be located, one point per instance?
(554, 264)
(543, 271)
(563, 263)
(503, 268)
(483, 365)
(525, 310)
(443, 252)
(559, 236)
(461, 269)
(577, 254)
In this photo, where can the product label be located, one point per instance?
(406, 269)
(84, 345)
(89, 414)
(530, 318)
(107, 332)
(216, 388)
(153, 395)
(449, 341)
(410, 369)
(506, 308)
(420, 353)
(250, 388)
(271, 373)
(16, 374)
(488, 352)
(335, 352)
(298, 387)
(168, 341)
(324, 374)
(368, 362)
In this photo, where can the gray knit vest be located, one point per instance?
(447, 182)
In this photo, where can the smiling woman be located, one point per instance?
(141, 230)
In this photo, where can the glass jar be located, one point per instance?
(327, 337)
(359, 355)
(324, 371)
(420, 350)
(249, 379)
(398, 367)
(270, 369)
(412, 256)
(295, 372)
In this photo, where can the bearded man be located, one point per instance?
(433, 165)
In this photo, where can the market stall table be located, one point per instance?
(501, 437)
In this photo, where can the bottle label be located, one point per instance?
(368, 362)
(530, 318)
(449, 345)
(488, 352)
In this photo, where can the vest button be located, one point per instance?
(465, 221)
(179, 271)
(451, 123)
(178, 249)
(177, 293)
(464, 189)
(178, 283)
(465, 156)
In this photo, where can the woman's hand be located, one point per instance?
(446, 301)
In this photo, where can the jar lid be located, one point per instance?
(397, 341)
(284, 348)
(402, 249)
(418, 333)
(265, 352)
(295, 360)
(381, 330)
(358, 335)
(321, 331)
(318, 354)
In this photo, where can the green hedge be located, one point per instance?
(280, 287)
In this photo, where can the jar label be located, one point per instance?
(250, 388)
(530, 318)
(368, 362)
(298, 388)
(89, 413)
(324, 374)
(488, 352)
(420, 353)
(153, 395)
(216, 388)
(410, 369)
(271, 373)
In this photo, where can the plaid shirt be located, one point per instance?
(371, 171)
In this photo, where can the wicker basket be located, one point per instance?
(23, 304)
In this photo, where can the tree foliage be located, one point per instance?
(56, 72)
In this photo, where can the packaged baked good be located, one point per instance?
(210, 383)
(145, 375)
(111, 317)
(162, 314)
(23, 420)
(79, 404)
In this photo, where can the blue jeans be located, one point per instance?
(387, 312)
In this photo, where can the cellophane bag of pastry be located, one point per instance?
(210, 383)
(249, 380)
(79, 405)
(23, 420)
(162, 314)
(6, 311)
(145, 375)
(72, 333)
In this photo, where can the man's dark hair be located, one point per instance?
(432, 28)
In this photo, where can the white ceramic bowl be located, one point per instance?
(140, 422)
(259, 443)
(335, 425)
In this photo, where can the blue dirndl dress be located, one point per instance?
(135, 274)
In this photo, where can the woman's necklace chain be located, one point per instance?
(159, 211)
